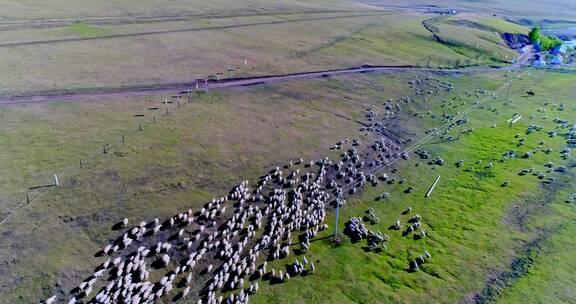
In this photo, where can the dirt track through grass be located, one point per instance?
(43, 23)
(59, 95)
(182, 30)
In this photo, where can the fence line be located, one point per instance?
(92, 156)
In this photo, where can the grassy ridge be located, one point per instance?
(475, 37)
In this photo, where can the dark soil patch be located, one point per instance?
(517, 217)
(516, 41)
(520, 266)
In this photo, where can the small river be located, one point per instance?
(568, 35)
(570, 43)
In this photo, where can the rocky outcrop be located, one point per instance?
(516, 41)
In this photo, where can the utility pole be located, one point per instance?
(338, 201)
(461, 125)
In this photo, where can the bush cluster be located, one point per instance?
(546, 42)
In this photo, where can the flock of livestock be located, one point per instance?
(219, 253)
(230, 239)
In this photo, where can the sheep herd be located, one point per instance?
(220, 252)
(217, 254)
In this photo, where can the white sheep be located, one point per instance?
(185, 292)
(165, 259)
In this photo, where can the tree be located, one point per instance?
(546, 42)
(555, 41)
(535, 34)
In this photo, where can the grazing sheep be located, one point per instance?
(269, 209)
(107, 249)
(165, 259)
(126, 242)
(414, 266)
(185, 292)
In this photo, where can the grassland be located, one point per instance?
(489, 243)
(182, 160)
(476, 228)
(476, 37)
(67, 56)
(550, 280)
(66, 9)
(194, 153)
(514, 9)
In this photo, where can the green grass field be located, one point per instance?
(116, 157)
(192, 154)
(182, 160)
(472, 222)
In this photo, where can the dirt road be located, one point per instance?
(183, 87)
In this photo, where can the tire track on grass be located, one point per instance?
(202, 84)
(124, 20)
(182, 30)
